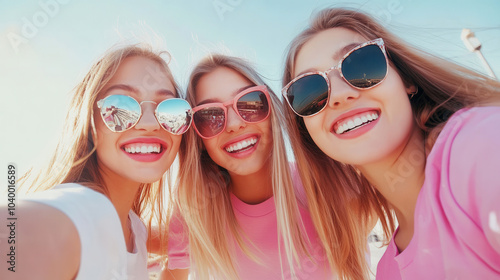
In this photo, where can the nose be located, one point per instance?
(340, 91)
(234, 122)
(148, 120)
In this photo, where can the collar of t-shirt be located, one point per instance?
(253, 210)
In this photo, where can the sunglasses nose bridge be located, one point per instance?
(233, 119)
(150, 108)
(328, 73)
(341, 91)
(148, 119)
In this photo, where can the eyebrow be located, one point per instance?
(131, 89)
(340, 53)
(216, 100)
(336, 56)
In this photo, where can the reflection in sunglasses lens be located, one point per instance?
(253, 106)
(209, 121)
(365, 67)
(120, 112)
(308, 95)
(174, 115)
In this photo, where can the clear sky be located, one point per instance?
(47, 46)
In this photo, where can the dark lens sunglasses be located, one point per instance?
(363, 67)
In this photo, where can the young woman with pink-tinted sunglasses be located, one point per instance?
(240, 214)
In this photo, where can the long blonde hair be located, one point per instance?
(203, 196)
(75, 159)
(444, 88)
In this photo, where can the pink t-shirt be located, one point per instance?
(260, 225)
(457, 216)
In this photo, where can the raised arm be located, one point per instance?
(46, 244)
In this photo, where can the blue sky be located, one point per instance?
(47, 46)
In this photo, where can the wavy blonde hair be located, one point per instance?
(203, 196)
(338, 194)
(75, 159)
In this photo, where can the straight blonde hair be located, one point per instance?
(203, 198)
(75, 159)
(340, 197)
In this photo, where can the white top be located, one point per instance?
(104, 252)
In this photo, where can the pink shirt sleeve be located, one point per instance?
(475, 173)
(178, 243)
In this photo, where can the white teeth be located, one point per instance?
(354, 123)
(143, 148)
(340, 129)
(350, 124)
(241, 145)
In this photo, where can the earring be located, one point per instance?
(414, 93)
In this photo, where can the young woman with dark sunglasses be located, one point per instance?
(421, 134)
(122, 133)
(237, 214)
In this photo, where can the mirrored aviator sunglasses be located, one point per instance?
(122, 112)
(252, 105)
(363, 67)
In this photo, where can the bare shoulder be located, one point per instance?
(46, 245)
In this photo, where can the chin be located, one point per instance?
(148, 180)
(247, 170)
(151, 180)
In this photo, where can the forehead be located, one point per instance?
(325, 49)
(220, 85)
(142, 73)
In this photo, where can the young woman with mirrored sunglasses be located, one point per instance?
(395, 131)
(83, 210)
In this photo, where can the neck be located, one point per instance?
(399, 179)
(253, 188)
(122, 193)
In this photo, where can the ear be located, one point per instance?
(411, 89)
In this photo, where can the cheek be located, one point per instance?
(176, 142)
(104, 143)
(211, 146)
(103, 136)
(101, 129)
(314, 125)
(267, 131)
(104, 140)
(318, 129)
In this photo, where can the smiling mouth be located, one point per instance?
(355, 122)
(241, 146)
(143, 148)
